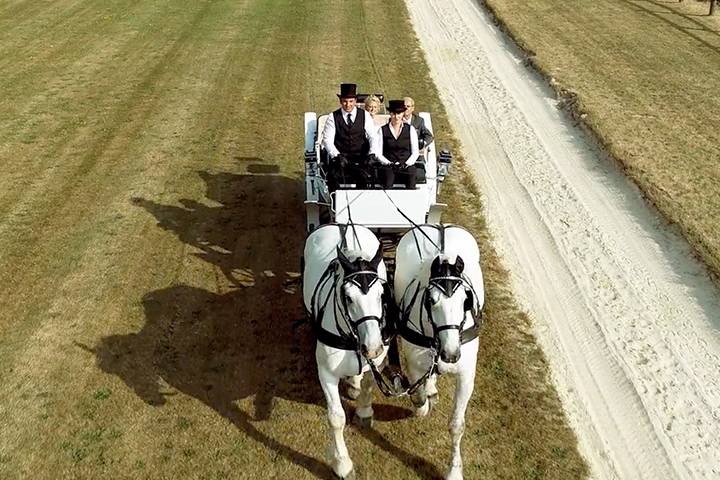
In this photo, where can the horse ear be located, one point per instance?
(344, 262)
(377, 258)
(435, 267)
(459, 265)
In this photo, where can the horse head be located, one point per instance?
(362, 295)
(448, 299)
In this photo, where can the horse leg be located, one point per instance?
(431, 389)
(337, 452)
(364, 413)
(419, 398)
(464, 385)
(353, 386)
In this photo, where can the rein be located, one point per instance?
(405, 389)
(346, 337)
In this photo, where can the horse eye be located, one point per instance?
(348, 300)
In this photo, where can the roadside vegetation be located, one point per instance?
(643, 77)
(151, 225)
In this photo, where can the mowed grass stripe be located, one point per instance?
(48, 37)
(151, 359)
(113, 156)
(60, 371)
(646, 75)
(85, 100)
(104, 114)
(15, 13)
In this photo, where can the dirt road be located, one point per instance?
(630, 323)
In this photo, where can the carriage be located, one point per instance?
(422, 279)
(392, 210)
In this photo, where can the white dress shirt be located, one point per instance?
(371, 131)
(414, 146)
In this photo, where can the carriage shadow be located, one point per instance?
(239, 343)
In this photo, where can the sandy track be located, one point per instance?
(629, 322)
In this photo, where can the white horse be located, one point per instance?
(439, 290)
(344, 289)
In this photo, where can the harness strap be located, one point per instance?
(420, 340)
(414, 337)
(336, 341)
(415, 225)
(366, 318)
(441, 232)
(343, 240)
(405, 389)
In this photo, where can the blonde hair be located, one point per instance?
(372, 99)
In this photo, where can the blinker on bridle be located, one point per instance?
(446, 284)
(363, 279)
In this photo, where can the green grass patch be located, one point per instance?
(643, 76)
(102, 393)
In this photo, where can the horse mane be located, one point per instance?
(353, 255)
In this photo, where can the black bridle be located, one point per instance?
(364, 280)
(347, 337)
(447, 284)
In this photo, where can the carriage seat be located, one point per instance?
(380, 120)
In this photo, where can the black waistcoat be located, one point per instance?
(350, 141)
(396, 150)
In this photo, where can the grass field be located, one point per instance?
(644, 75)
(151, 224)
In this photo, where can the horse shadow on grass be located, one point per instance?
(238, 343)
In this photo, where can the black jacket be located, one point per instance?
(425, 138)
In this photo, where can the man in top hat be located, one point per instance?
(398, 148)
(349, 136)
(424, 136)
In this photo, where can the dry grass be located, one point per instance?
(646, 78)
(150, 218)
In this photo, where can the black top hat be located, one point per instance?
(348, 90)
(396, 106)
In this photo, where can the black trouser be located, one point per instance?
(388, 173)
(357, 173)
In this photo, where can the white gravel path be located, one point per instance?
(630, 323)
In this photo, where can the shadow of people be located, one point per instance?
(238, 343)
(219, 348)
(256, 223)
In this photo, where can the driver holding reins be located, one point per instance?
(399, 148)
(349, 136)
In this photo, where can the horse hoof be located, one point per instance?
(349, 476)
(423, 411)
(363, 422)
(454, 474)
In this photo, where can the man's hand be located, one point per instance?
(375, 160)
(341, 160)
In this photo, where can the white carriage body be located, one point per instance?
(391, 210)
